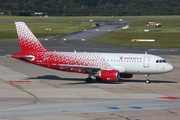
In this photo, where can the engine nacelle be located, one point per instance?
(109, 75)
(126, 75)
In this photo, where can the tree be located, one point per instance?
(92, 7)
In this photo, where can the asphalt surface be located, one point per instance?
(50, 93)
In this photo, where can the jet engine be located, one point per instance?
(109, 75)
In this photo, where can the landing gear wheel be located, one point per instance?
(147, 79)
(98, 79)
(89, 80)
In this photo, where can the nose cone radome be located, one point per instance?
(169, 67)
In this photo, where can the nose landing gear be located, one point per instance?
(147, 79)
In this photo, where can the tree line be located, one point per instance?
(90, 7)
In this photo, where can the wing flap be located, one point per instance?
(79, 66)
(92, 68)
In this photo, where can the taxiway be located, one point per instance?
(32, 92)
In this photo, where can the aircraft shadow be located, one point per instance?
(152, 81)
(54, 77)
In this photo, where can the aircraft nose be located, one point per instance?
(169, 67)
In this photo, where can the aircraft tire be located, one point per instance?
(98, 79)
(148, 81)
(89, 80)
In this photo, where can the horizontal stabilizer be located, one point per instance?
(23, 56)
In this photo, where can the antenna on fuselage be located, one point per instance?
(75, 51)
(145, 52)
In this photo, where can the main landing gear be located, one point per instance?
(147, 79)
(89, 80)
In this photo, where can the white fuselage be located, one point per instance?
(124, 63)
(137, 63)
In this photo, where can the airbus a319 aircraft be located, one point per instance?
(109, 67)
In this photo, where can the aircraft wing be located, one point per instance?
(79, 66)
(92, 68)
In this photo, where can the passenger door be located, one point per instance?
(146, 61)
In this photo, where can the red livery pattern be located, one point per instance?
(27, 40)
(30, 45)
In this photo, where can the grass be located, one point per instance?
(123, 38)
(8, 31)
(79, 18)
(65, 18)
(57, 28)
(166, 36)
(165, 22)
(8, 41)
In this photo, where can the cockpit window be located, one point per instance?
(164, 61)
(160, 61)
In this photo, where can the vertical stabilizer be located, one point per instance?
(27, 40)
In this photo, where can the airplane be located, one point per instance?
(111, 67)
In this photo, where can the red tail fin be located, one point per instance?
(27, 40)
